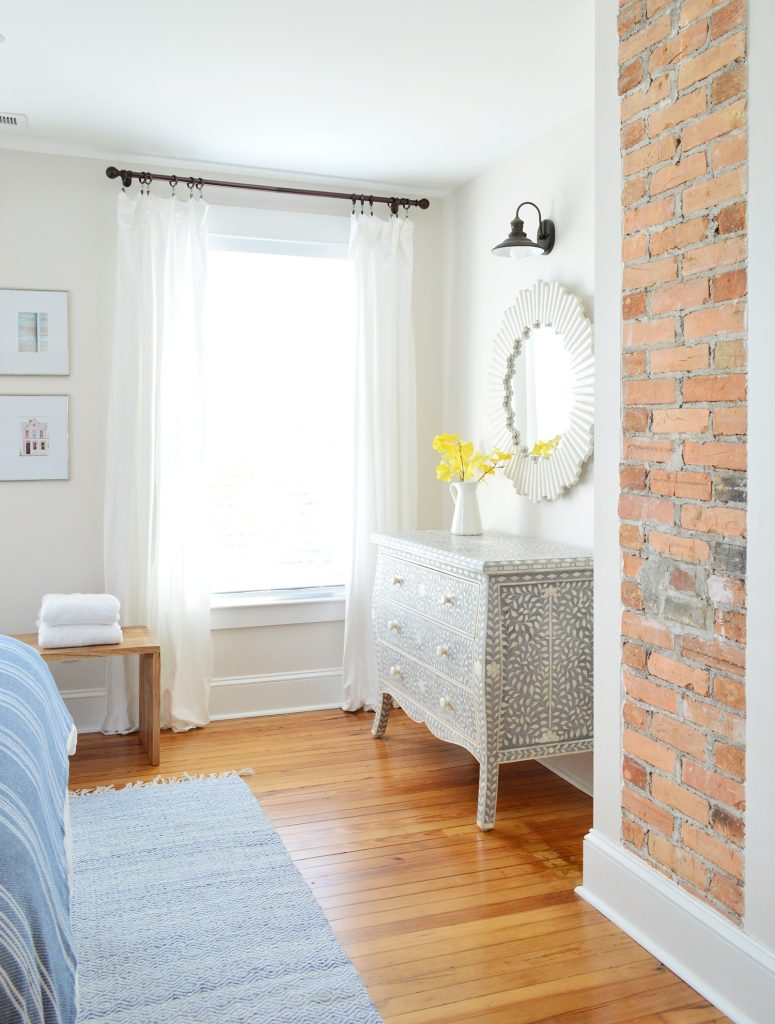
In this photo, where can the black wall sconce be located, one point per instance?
(518, 244)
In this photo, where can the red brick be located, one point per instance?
(680, 421)
(640, 806)
(649, 392)
(633, 365)
(681, 485)
(633, 834)
(643, 40)
(684, 581)
(691, 167)
(683, 549)
(655, 153)
(639, 627)
(729, 522)
(719, 122)
(641, 449)
(717, 787)
(692, 9)
(679, 674)
(679, 236)
(730, 625)
(632, 565)
(630, 76)
(681, 359)
(651, 693)
(732, 219)
(634, 656)
(655, 6)
(647, 750)
(682, 109)
(633, 190)
(632, 478)
(727, 824)
(680, 799)
(634, 773)
(719, 454)
(732, 285)
(727, 18)
(729, 759)
(720, 189)
(657, 510)
(631, 595)
(649, 332)
(730, 692)
(718, 720)
(715, 654)
(711, 849)
(718, 254)
(635, 421)
(645, 275)
(677, 47)
(633, 305)
(728, 387)
(733, 420)
(634, 247)
(678, 860)
(630, 537)
(729, 151)
(729, 355)
(726, 319)
(730, 84)
(677, 297)
(728, 892)
(679, 735)
(725, 590)
(713, 59)
(637, 101)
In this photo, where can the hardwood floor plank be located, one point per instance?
(446, 924)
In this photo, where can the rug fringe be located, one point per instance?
(164, 780)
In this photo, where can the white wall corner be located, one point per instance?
(721, 962)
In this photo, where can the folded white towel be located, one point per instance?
(78, 636)
(77, 609)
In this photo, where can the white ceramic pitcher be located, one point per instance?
(466, 521)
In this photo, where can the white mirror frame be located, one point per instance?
(545, 305)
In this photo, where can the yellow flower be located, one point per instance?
(445, 442)
(443, 472)
(461, 461)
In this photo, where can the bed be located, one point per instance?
(38, 982)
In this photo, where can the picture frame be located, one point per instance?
(34, 332)
(34, 437)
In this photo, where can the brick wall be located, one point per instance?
(683, 486)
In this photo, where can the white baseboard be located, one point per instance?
(574, 768)
(726, 966)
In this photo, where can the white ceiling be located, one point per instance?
(420, 92)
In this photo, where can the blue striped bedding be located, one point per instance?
(37, 959)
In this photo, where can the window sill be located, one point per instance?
(276, 608)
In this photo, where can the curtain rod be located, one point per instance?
(145, 178)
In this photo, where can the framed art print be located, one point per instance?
(34, 437)
(34, 332)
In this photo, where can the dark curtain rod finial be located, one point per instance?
(144, 176)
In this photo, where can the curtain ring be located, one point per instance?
(190, 186)
(371, 206)
(174, 184)
(200, 187)
(363, 200)
(353, 199)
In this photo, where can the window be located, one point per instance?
(279, 332)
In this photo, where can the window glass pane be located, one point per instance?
(279, 335)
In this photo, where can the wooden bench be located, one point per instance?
(137, 640)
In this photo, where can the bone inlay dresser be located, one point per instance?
(488, 641)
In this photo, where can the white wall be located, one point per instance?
(556, 172)
(58, 217)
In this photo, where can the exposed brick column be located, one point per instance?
(683, 486)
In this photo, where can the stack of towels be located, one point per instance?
(79, 620)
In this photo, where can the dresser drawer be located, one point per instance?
(439, 698)
(438, 646)
(448, 599)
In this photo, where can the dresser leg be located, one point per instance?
(382, 715)
(488, 794)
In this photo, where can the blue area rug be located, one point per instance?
(187, 908)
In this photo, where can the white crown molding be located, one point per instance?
(262, 175)
(723, 963)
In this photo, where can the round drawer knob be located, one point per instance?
(394, 670)
(448, 599)
(396, 581)
(394, 625)
(442, 651)
(446, 704)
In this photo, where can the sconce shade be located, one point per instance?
(518, 244)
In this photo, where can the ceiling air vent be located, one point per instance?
(13, 120)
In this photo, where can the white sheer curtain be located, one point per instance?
(385, 489)
(155, 499)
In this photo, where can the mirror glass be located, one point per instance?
(539, 391)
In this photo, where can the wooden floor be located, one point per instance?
(444, 923)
